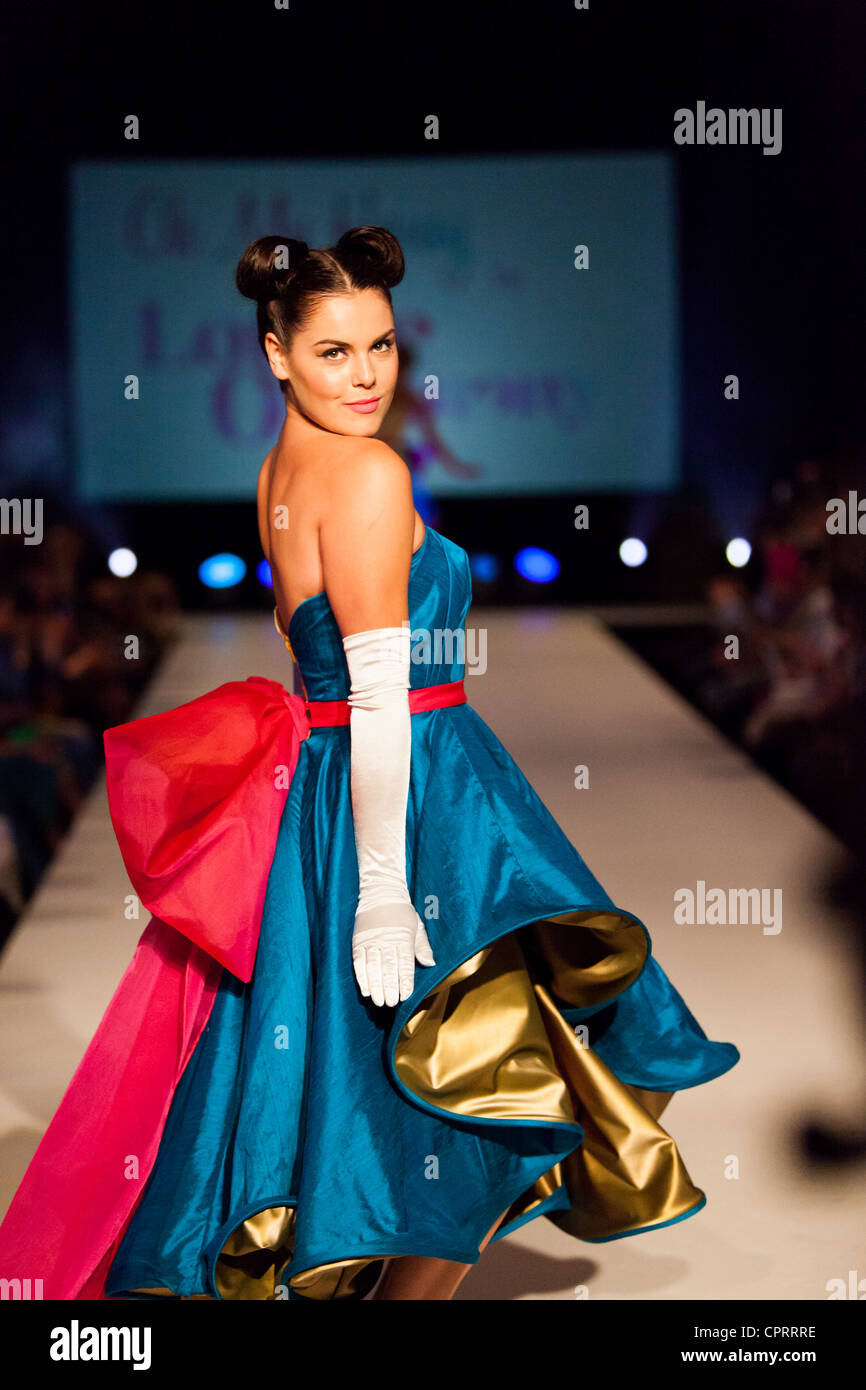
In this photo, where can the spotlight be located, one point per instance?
(123, 562)
(535, 564)
(484, 567)
(222, 571)
(632, 552)
(738, 552)
(263, 574)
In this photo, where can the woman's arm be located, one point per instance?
(366, 549)
(365, 538)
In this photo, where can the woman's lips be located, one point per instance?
(364, 407)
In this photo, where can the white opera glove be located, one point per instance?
(389, 935)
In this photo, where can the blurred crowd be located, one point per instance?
(77, 646)
(792, 688)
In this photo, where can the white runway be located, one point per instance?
(669, 803)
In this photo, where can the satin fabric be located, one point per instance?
(82, 1185)
(313, 1135)
(195, 795)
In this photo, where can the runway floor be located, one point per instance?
(669, 803)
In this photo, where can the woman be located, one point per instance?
(363, 1096)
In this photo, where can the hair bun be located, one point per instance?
(267, 265)
(374, 253)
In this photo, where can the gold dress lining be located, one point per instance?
(489, 1042)
(285, 636)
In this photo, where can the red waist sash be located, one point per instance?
(324, 713)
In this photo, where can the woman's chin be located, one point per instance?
(357, 425)
(363, 426)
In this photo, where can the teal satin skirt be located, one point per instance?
(313, 1135)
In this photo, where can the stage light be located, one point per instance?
(123, 562)
(221, 571)
(536, 564)
(263, 574)
(738, 552)
(484, 567)
(632, 552)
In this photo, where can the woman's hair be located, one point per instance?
(286, 277)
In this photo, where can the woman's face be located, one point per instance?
(345, 354)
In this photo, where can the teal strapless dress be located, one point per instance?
(313, 1135)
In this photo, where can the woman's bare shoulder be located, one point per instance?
(361, 463)
(368, 481)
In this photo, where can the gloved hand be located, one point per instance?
(388, 936)
(386, 942)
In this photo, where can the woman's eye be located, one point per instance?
(383, 342)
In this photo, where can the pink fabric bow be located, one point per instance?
(195, 795)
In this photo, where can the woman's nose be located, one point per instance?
(364, 371)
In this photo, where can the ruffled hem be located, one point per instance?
(489, 1046)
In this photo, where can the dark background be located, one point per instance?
(771, 247)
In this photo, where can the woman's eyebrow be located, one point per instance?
(337, 343)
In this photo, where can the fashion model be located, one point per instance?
(382, 1013)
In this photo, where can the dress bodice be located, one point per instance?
(440, 592)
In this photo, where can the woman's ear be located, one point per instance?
(276, 357)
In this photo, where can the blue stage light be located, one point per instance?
(484, 567)
(536, 564)
(222, 571)
(263, 574)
